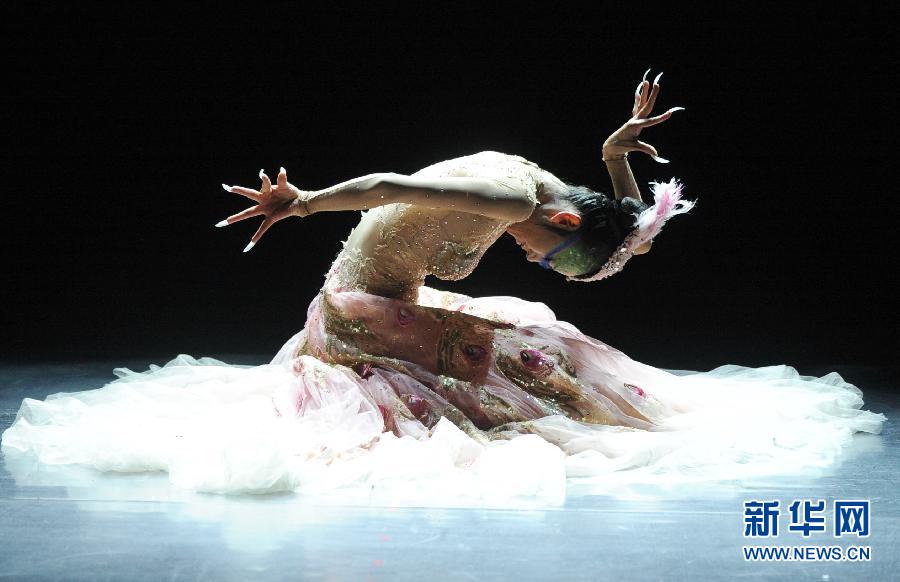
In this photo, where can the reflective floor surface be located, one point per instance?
(71, 523)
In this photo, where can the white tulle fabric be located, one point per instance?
(304, 425)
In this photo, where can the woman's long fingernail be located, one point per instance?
(656, 80)
(249, 246)
(226, 187)
(645, 74)
(660, 160)
(222, 223)
(677, 109)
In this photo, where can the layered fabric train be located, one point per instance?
(490, 396)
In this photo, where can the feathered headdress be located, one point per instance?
(667, 203)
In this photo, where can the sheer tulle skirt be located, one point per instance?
(542, 402)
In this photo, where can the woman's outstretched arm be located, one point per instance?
(484, 196)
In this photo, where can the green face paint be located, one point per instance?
(575, 260)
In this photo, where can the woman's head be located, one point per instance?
(578, 227)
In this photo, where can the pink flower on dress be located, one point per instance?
(405, 316)
(363, 369)
(474, 352)
(416, 405)
(535, 360)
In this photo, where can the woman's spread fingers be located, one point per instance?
(654, 94)
(651, 151)
(658, 119)
(645, 147)
(654, 120)
(282, 178)
(247, 192)
(262, 230)
(638, 98)
(266, 183)
(641, 93)
(651, 101)
(244, 214)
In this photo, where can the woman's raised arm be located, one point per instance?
(625, 139)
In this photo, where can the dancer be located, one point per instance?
(384, 360)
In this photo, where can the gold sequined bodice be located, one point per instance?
(395, 246)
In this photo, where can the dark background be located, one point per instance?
(121, 124)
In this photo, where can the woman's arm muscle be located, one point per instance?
(472, 195)
(623, 180)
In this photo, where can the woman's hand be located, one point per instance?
(276, 203)
(625, 139)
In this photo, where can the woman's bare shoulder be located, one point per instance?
(494, 157)
(508, 170)
(484, 163)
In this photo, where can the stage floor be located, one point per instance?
(71, 523)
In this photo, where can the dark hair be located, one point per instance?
(605, 222)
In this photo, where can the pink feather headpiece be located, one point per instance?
(667, 203)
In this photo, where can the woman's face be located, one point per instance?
(572, 260)
(547, 227)
(536, 240)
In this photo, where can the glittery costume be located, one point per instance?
(396, 245)
(394, 386)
